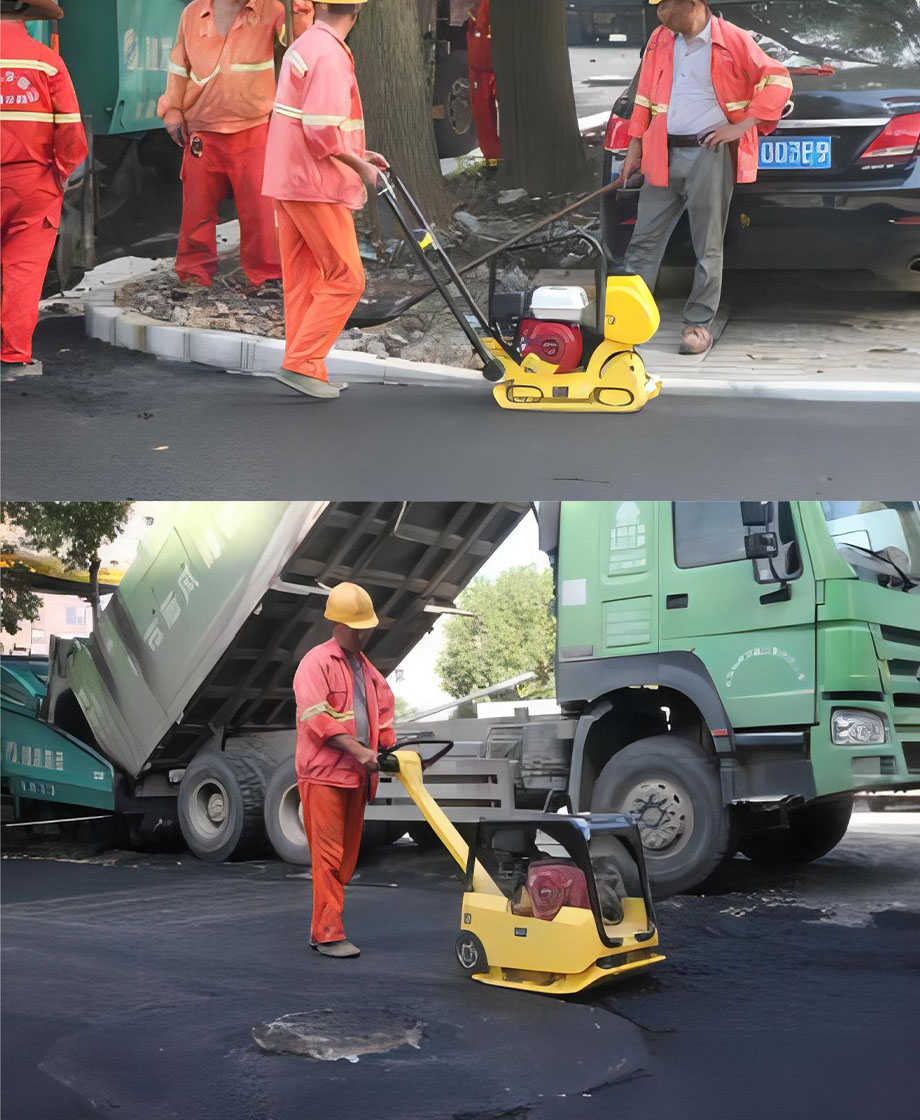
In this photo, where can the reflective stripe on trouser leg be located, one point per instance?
(709, 183)
(259, 253)
(323, 280)
(333, 820)
(30, 213)
(205, 185)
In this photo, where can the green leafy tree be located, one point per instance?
(511, 631)
(74, 532)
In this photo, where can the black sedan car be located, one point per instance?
(839, 179)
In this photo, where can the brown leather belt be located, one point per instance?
(683, 141)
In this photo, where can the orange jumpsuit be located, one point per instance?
(334, 787)
(483, 95)
(41, 142)
(318, 115)
(222, 87)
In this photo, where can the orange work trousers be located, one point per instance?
(333, 818)
(30, 213)
(231, 161)
(323, 280)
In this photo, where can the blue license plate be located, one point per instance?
(793, 152)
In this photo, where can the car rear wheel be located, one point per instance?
(811, 833)
(671, 789)
(471, 954)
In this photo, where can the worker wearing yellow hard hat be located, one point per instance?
(706, 92)
(318, 171)
(344, 714)
(43, 142)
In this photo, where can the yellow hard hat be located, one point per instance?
(350, 604)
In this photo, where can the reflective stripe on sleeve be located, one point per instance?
(12, 115)
(288, 111)
(734, 106)
(319, 120)
(67, 118)
(324, 709)
(250, 66)
(29, 64)
(175, 68)
(297, 62)
(773, 80)
(654, 107)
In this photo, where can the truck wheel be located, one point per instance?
(220, 806)
(284, 816)
(454, 132)
(811, 833)
(671, 789)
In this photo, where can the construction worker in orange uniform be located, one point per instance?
(218, 100)
(706, 92)
(318, 171)
(483, 95)
(344, 713)
(42, 140)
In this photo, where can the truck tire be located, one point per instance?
(811, 833)
(671, 789)
(284, 816)
(454, 133)
(220, 806)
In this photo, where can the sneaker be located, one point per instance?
(309, 386)
(341, 949)
(11, 370)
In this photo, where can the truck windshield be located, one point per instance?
(879, 540)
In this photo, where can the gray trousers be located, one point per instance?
(700, 182)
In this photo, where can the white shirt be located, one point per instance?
(693, 108)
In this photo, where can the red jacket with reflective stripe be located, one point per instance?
(39, 115)
(324, 692)
(747, 83)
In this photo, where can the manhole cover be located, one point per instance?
(329, 1035)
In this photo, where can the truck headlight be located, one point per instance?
(856, 729)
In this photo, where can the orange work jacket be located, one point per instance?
(746, 81)
(39, 115)
(226, 84)
(324, 692)
(318, 115)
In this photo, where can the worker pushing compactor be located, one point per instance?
(42, 141)
(218, 99)
(344, 714)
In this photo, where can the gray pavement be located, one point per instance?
(105, 423)
(132, 985)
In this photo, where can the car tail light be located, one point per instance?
(897, 143)
(616, 138)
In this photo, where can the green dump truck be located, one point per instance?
(731, 673)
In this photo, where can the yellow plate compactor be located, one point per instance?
(556, 347)
(553, 903)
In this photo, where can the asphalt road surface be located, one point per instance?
(106, 423)
(132, 985)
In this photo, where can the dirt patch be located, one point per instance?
(486, 214)
(330, 1035)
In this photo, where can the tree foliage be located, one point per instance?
(512, 631)
(74, 532)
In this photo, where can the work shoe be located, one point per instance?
(11, 370)
(335, 948)
(310, 386)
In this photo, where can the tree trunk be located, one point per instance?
(95, 564)
(390, 65)
(541, 147)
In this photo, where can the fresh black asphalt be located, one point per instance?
(132, 984)
(94, 424)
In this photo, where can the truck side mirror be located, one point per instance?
(757, 515)
(761, 546)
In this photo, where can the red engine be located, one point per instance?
(558, 343)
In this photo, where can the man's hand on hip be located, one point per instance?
(726, 133)
(178, 132)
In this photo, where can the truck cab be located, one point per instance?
(737, 670)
